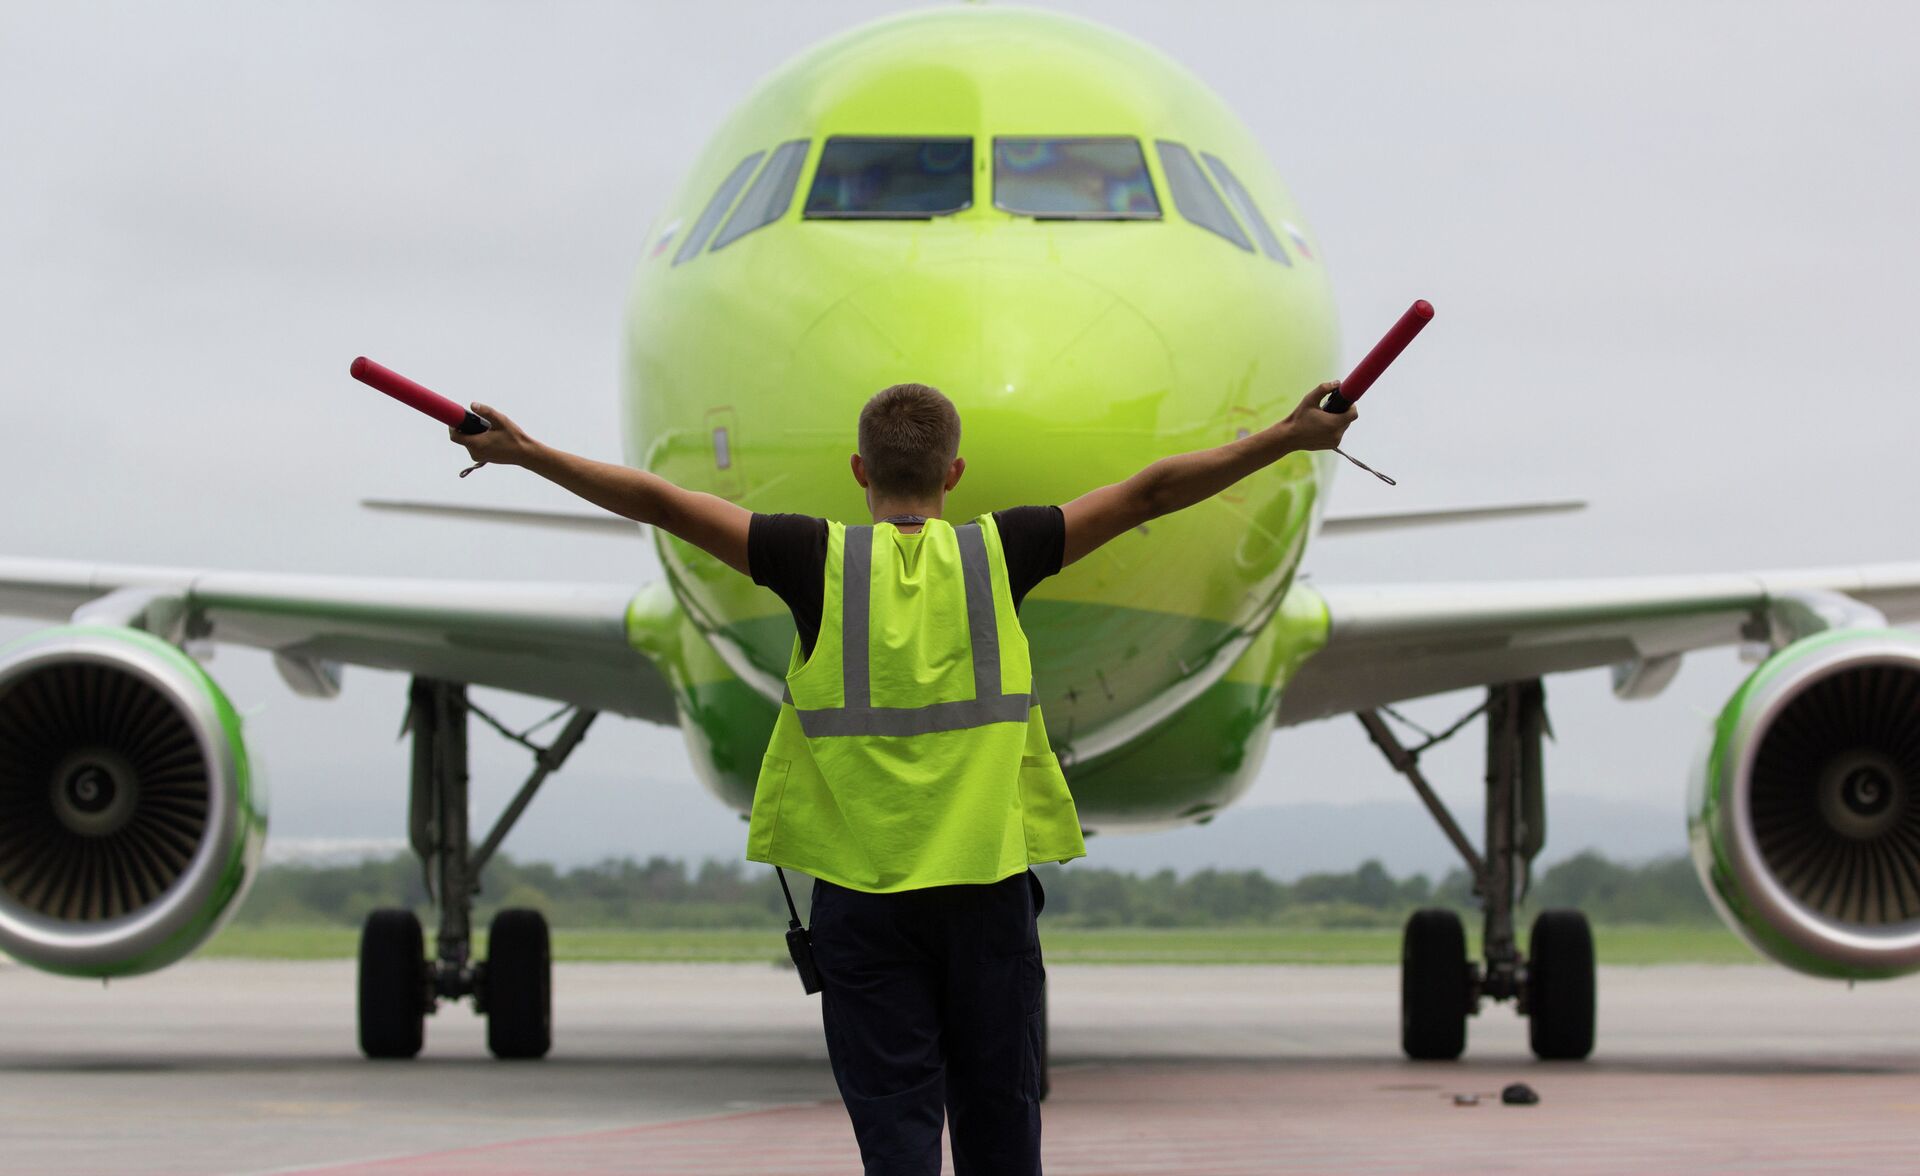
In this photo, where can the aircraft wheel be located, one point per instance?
(394, 992)
(519, 1002)
(1560, 988)
(1435, 986)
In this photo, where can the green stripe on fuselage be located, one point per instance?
(1193, 761)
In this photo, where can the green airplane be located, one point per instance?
(1077, 241)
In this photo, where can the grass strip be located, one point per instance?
(1627, 944)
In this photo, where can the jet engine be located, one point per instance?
(130, 823)
(1806, 809)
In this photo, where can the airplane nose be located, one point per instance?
(1061, 385)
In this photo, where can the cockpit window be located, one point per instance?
(1195, 197)
(1248, 210)
(771, 195)
(717, 207)
(1080, 179)
(892, 178)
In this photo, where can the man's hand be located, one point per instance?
(1309, 425)
(1175, 483)
(707, 521)
(505, 443)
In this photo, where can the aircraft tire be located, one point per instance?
(1560, 987)
(519, 978)
(393, 985)
(1436, 990)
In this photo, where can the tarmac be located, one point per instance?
(250, 1067)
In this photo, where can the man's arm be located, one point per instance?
(707, 521)
(1175, 483)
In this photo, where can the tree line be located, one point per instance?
(665, 892)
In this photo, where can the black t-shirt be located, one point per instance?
(788, 553)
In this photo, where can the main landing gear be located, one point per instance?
(1439, 986)
(513, 987)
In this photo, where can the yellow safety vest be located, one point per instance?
(910, 749)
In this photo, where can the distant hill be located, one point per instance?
(1284, 841)
(1289, 840)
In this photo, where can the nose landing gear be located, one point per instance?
(1439, 987)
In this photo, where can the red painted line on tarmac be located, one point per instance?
(646, 1147)
(1258, 1117)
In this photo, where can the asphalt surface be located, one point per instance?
(243, 1067)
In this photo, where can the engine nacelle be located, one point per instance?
(130, 823)
(1806, 807)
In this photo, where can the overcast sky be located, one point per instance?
(1672, 246)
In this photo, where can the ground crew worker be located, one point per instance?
(909, 771)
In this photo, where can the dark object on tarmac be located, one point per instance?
(1519, 1094)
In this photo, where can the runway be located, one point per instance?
(243, 1067)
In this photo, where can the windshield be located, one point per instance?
(899, 178)
(1249, 211)
(717, 208)
(1195, 198)
(1078, 179)
(771, 195)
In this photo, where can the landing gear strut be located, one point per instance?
(513, 987)
(1439, 987)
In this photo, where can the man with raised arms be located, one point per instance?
(909, 771)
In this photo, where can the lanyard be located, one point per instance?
(790, 908)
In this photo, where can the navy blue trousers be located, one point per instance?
(932, 1005)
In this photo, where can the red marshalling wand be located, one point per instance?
(1372, 364)
(1384, 352)
(417, 396)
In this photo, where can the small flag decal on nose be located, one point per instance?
(1299, 242)
(666, 235)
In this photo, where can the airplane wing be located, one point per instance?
(602, 523)
(568, 642)
(585, 522)
(1387, 643)
(1334, 526)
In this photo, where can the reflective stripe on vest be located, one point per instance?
(858, 715)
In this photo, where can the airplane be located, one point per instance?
(1076, 239)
